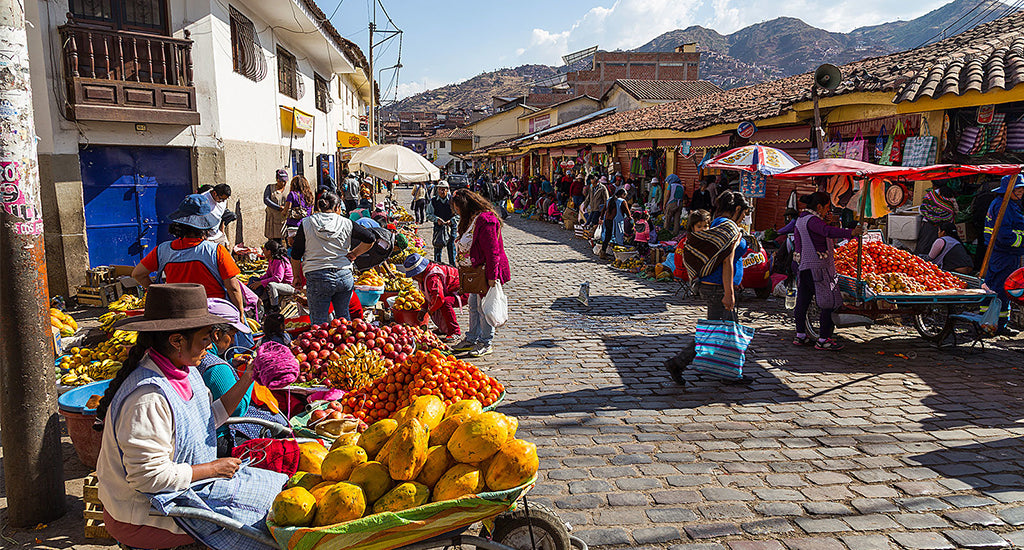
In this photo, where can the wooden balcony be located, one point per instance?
(123, 76)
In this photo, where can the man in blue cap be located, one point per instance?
(440, 286)
(1009, 244)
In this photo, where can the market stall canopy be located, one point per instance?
(393, 162)
(348, 140)
(754, 158)
(865, 170)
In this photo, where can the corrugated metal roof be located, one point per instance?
(667, 89)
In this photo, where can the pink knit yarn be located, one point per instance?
(275, 366)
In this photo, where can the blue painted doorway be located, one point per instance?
(128, 192)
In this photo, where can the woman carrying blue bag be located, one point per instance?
(714, 259)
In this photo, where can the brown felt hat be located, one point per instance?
(171, 307)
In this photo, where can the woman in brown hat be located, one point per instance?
(159, 427)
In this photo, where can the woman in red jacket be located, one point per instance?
(479, 244)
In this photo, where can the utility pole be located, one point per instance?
(34, 466)
(372, 117)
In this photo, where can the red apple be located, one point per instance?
(324, 354)
(334, 406)
(338, 338)
(335, 415)
(336, 323)
(389, 348)
(313, 346)
(300, 357)
(318, 414)
(350, 340)
(304, 366)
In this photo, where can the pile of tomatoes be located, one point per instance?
(424, 373)
(880, 259)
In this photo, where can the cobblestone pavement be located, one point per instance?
(859, 449)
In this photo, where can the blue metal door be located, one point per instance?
(128, 192)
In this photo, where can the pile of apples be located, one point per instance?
(323, 344)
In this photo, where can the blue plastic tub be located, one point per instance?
(369, 296)
(74, 400)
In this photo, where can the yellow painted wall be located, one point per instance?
(462, 145)
(497, 127)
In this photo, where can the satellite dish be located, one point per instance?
(827, 76)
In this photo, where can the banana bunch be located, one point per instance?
(91, 372)
(126, 302)
(357, 366)
(410, 299)
(399, 284)
(403, 215)
(108, 319)
(370, 278)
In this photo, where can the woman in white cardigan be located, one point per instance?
(159, 434)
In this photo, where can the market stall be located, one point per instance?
(879, 280)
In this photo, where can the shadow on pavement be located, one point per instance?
(611, 306)
(991, 467)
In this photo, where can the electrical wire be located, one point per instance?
(978, 5)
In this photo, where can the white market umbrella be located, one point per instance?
(394, 162)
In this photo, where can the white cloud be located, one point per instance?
(406, 89)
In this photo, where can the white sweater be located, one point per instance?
(145, 433)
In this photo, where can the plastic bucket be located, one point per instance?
(369, 296)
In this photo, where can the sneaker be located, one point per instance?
(805, 341)
(828, 345)
(480, 350)
(450, 338)
(464, 345)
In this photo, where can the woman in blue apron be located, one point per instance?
(159, 425)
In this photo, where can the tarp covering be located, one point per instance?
(863, 170)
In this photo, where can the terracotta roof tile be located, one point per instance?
(667, 89)
(989, 56)
(452, 133)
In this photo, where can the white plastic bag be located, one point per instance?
(495, 306)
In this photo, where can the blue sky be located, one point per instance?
(449, 41)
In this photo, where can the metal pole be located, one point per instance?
(373, 92)
(34, 471)
(817, 121)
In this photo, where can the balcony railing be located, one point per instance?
(127, 76)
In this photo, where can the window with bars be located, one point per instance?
(323, 93)
(246, 51)
(287, 74)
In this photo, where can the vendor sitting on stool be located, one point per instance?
(440, 286)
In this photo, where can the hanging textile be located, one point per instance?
(870, 198)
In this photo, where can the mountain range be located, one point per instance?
(771, 49)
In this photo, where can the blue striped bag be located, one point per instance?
(720, 348)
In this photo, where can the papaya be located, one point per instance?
(437, 463)
(342, 502)
(350, 438)
(399, 415)
(373, 478)
(408, 450)
(464, 406)
(293, 507)
(443, 432)
(404, 496)
(374, 438)
(320, 490)
(311, 456)
(512, 424)
(460, 480)
(305, 480)
(384, 454)
(476, 439)
(428, 409)
(514, 464)
(338, 464)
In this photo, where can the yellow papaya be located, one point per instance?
(404, 496)
(311, 456)
(338, 464)
(460, 480)
(305, 480)
(293, 507)
(320, 490)
(374, 479)
(478, 438)
(350, 438)
(428, 409)
(408, 450)
(464, 406)
(514, 464)
(374, 438)
(342, 502)
(443, 432)
(437, 463)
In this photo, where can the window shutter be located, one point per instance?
(246, 51)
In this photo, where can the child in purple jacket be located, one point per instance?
(277, 281)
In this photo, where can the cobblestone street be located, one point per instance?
(859, 449)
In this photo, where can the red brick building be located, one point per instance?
(682, 64)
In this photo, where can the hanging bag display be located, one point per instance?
(921, 150)
(969, 138)
(1015, 136)
(855, 147)
(899, 136)
(996, 133)
(879, 143)
(834, 149)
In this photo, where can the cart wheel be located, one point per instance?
(513, 529)
(935, 324)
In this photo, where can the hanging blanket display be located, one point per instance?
(920, 150)
(993, 136)
(649, 163)
(1015, 135)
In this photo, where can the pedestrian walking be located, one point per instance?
(419, 202)
(298, 204)
(480, 245)
(273, 198)
(597, 197)
(349, 190)
(323, 253)
(445, 221)
(615, 215)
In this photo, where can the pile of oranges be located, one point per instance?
(425, 373)
(880, 259)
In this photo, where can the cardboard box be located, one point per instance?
(904, 227)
